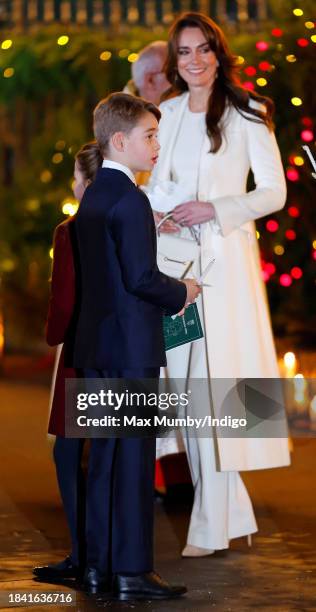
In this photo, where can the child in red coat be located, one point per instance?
(63, 305)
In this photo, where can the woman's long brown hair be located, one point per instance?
(227, 87)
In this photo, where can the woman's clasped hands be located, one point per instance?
(193, 213)
(187, 214)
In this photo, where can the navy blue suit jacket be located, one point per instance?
(123, 293)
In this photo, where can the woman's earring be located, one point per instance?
(176, 77)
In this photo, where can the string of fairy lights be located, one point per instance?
(295, 160)
(253, 76)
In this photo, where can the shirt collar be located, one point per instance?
(108, 163)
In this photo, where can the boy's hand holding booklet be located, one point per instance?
(179, 330)
(185, 326)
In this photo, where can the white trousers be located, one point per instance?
(222, 508)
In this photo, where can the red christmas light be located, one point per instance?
(250, 71)
(272, 225)
(277, 32)
(293, 211)
(265, 275)
(307, 135)
(291, 159)
(261, 45)
(307, 122)
(292, 174)
(269, 268)
(248, 85)
(314, 255)
(296, 272)
(285, 280)
(290, 234)
(264, 66)
(302, 42)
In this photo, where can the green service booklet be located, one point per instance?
(180, 330)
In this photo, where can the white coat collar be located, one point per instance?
(169, 133)
(176, 103)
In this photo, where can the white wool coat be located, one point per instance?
(238, 332)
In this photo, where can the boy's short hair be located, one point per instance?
(119, 112)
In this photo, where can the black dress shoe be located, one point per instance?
(95, 582)
(57, 571)
(145, 586)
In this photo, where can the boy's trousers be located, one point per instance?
(120, 495)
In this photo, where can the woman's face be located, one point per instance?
(197, 63)
(79, 184)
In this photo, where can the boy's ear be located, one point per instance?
(118, 141)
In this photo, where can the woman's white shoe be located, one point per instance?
(196, 551)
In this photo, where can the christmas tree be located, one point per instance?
(51, 80)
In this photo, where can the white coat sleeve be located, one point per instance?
(269, 195)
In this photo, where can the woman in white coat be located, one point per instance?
(212, 132)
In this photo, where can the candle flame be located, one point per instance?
(289, 360)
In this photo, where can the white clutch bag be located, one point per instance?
(175, 255)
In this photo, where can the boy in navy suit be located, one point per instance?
(119, 334)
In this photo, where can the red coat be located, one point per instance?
(60, 312)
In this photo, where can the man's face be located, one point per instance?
(141, 144)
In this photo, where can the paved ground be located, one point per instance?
(277, 574)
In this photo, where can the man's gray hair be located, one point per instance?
(149, 60)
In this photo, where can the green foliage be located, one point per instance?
(46, 109)
(293, 308)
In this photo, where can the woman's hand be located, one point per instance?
(193, 213)
(168, 227)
